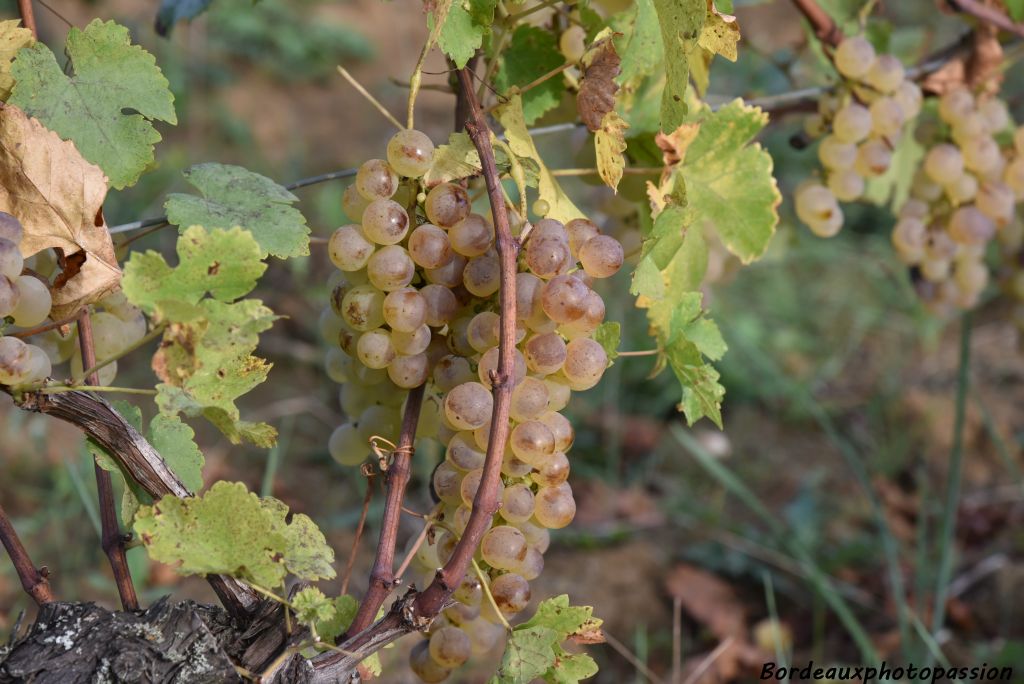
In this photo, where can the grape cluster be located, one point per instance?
(25, 302)
(416, 302)
(858, 125)
(964, 195)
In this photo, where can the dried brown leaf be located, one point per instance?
(58, 197)
(709, 600)
(598, 87)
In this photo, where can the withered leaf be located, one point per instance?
(598, 87)
(58, 197)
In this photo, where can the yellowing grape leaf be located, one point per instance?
(729, 182)
(681, 22)
(13, 37)
(534, 648)
(106, 105)
(206, 360)
(222, 263)
(720, 34)
(234, 196)
(231, 531)
(521, 143)
(610, 144)
(58, 197)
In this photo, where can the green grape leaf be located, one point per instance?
(729, 182)
(570, 668)
(175, 442)
(533, 649)
(13, 37)
(223, 263)
(681, 22)
(532, 53)
(234, 196)
(641, 48)
(702, 393)
(172, 439)
(459, 159)
(610, 144)
(556, 614)
(173, 400)
(1015, 8)
(521, 143)
(464, 28)
(109, 77)
(345, 608)
(231, 531)
(609, 336)
(173, 11)
(312, 607)
(529, 653)
(667, 281)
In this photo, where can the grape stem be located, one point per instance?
(382, 576)
(28, 17)
(34, 580)
(111, 538)
(369, 97)
(490, 597)
(824, 28)
(46, 327)
(59, 389)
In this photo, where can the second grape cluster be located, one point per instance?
(416, 302)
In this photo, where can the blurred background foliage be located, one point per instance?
(827, 484)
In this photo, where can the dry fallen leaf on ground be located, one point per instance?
(58, 197)
(714, 604)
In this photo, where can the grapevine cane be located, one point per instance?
(485, 503)
(112, 540)
(382, 577)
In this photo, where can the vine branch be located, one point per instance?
(111, 538)
(139, 460)
(382, 576)
(28, 17)
(33, 580)
(485, 503)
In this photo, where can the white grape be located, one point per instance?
(885, 74)
(852, 123)
(854, 57)
(944, 164)
(34, 302)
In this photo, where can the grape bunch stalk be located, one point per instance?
(415, 303)
(859, 124)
